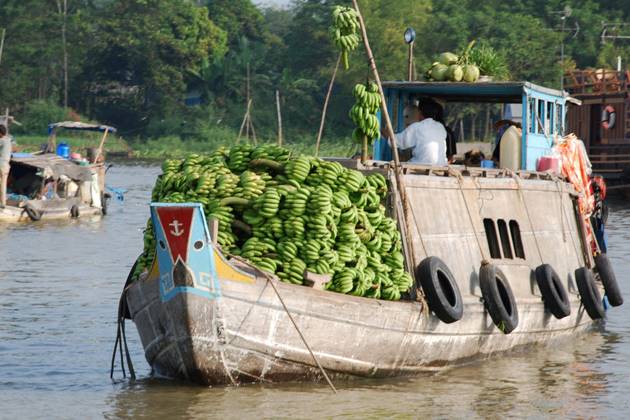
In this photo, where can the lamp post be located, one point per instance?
(410, 37)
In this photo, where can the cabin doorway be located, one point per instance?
(595, 124)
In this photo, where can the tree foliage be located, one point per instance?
(132, 63)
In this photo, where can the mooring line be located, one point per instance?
(321, 368)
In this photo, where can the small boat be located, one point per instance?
(48, 185)
(501, 258)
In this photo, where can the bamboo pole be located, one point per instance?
(279, 117)
(388, 121)
(4, 32)
(100, 146)
(400, 186)
(321, 123)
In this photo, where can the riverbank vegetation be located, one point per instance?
(172, 75)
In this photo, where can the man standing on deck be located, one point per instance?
(5, 158)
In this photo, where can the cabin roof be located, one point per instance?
(76, 125)
(500, 92)
(53, 166)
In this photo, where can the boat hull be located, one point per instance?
(245, 335)
(234, 328)
(14, 214)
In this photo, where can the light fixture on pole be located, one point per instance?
(410, 37)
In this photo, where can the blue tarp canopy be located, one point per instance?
(497, 92)
(75, 125)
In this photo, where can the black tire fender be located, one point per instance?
(553, 292)
(440, 288)
(609, 280)
(589, 294)
(498, 298)
(74, 211)
(32, 213)
(104, 198)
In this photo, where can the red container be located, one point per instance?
(549, 164)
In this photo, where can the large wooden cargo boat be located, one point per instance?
(501, 259)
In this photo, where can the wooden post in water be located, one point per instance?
(279, 117)
(321, 124)
(4, 32)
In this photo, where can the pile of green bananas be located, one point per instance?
(289, 214)
(343, 31)
(363, 113)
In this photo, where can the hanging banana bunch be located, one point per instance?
(344, 31)
(363, 113)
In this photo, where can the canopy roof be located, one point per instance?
(76, 125)
(499, 92)
(54, 166)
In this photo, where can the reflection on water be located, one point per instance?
(59, 286)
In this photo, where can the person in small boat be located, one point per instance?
(5, 159)
(425, 136)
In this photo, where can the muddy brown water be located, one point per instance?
(59, 288)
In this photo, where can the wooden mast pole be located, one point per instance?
(321, 124)
(400, 186)
(388, 122)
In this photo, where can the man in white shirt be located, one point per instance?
(424, 135)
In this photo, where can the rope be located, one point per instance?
(121, 336)
(270, 281)
(560, 186)
(457, 174)
(531, 224)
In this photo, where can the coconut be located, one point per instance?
(455, 73)
(471, 73)
(438, 72)
(448, 58)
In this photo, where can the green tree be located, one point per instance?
(139, 65)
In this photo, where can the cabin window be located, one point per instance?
(531, 117)
(549, 120)
(491, 236)
(540, 116)
(515, 230)
(559, 120)
(505, 239)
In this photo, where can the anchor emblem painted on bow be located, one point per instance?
(175, 225)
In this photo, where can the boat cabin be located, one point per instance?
(544, 117)
(603, 119)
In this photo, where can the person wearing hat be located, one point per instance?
(501, 126)
(5, 159)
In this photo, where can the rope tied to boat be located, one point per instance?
(460, 180)
(121, 336)
(308, 347)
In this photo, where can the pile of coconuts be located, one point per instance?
(453, 68)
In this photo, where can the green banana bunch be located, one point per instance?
(363, 112)
(288, 214)
(344, 31)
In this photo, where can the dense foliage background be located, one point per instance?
(157, 68)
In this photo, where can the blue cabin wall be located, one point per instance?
(546, 109)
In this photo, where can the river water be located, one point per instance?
(59, 290)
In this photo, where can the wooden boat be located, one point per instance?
(208, 318)
(45, 186)
(603, 122)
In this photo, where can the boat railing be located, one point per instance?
(596, 81)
